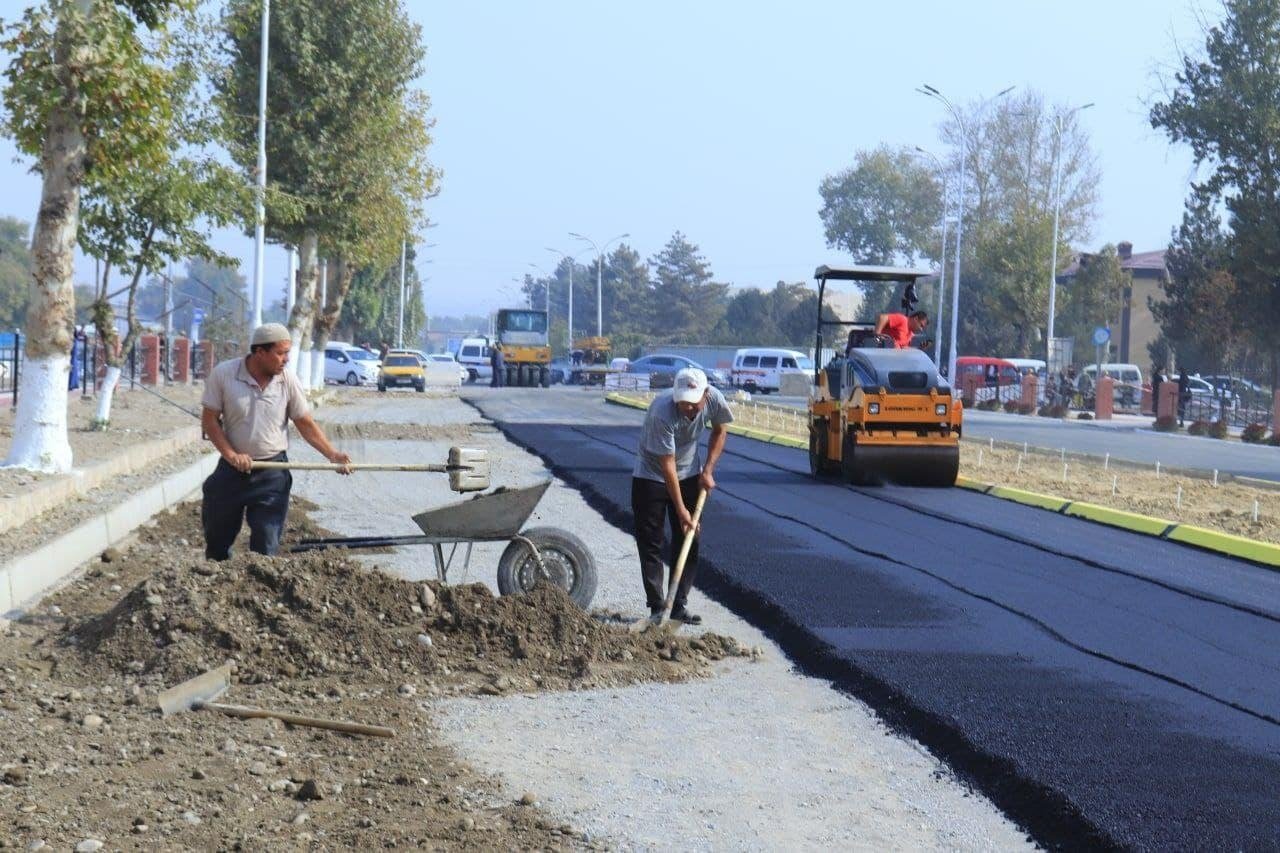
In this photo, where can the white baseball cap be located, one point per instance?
(690, 384)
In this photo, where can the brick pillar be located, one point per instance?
(1275, 414)
(1167, 405)
(1148, 406)
(1105, 399)
(182, 360)
(969, 384)
(149, 355)
(1030, 387)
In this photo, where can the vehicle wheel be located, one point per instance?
(565, 559)
(421, 387)
(472, 376)
(352, 379)
(544, 377)
(511, 375)
(819, 466)
(849, 462)
(523, 377)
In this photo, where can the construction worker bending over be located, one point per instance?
(668, 476)
(901, 328)
(247, 405)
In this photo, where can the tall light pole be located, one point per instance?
(1057, 209)
(599, 275)
(931, 92)
(260, 223)
(942, 260)
(404, 248)
(573, 260)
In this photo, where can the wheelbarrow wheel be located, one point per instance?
(565, 559)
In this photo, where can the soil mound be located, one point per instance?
(324, 615)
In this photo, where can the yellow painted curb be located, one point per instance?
(1022, 496)
(1119, 518)
(623, 400)
(1227, 543)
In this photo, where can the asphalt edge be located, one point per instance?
(1051, 820)
(27, 578)
(1242, 548)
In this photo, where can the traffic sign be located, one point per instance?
(1101, 335)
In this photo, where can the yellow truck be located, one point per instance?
(521, 334)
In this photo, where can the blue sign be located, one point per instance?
(197, 315)
(1101, 335)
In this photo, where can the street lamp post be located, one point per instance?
(599, 275)
(931, 92)
(573, 260)
(1057, 208)
(260, 218)
(942, 260)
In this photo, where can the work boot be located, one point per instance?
(682, 614)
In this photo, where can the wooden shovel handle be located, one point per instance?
(684, 550)
(356, 466)
(300, 720)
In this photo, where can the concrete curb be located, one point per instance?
(1263, 553)
(26, 578)
(734, 429)
(42, 497)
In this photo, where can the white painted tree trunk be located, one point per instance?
(317, 369)
(108, 391)
(40, 424)
(301, 361)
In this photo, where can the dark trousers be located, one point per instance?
(650, 506)
(261, 497)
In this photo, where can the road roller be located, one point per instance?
(878, 414)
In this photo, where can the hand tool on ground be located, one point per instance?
(198, 693)
(661, 618)
(468, 468)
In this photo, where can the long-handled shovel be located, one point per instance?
(468, 468)
(199, 692)
(661, 618)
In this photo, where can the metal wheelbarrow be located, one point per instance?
(539, 553)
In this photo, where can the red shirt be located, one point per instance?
(897, 327)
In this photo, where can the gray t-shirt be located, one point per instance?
(668, 433)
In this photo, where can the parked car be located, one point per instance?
(1247, 392)
(761, 370)
(402, 369)
(662, 370)
(349, 365)
(440, 368)
(1127, 391)
(473, 355)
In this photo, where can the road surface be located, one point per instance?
(1103, 688)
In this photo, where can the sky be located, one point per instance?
(719, 119)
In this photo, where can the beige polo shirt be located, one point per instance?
(255, 419)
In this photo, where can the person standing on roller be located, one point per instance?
(246, 408)
(668, 476)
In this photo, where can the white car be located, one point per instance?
(349, 365)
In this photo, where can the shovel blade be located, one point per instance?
(205, 687)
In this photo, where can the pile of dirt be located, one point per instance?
(323, 615)
(379, 431)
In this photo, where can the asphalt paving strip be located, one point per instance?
(1058, 784)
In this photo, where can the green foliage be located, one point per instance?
(1222, 104)
(1198, 427)
(15, 272)
(1093, 298)
(1003, 314)
(783, 316)
(691, 302)
(883, 209)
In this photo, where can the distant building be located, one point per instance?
(1138, 328)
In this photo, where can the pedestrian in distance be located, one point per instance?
(667, 477)
(1157, 379)
(246, 408)
(497, 364)
(901, 328)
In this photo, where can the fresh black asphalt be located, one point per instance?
(1103, 688)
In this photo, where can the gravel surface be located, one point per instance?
(758, 757)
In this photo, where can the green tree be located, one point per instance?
(1221, 102)
(15, 272)
(85, 99)
(691, 304)
(884, 208)
(1094, 298)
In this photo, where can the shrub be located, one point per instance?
(967, 402)
(1198, 427)
(1165, 423)
(1055, 411)
(1085, 416)
(1012, 406)
(1254, 434)
(1218, 429)
(989, 405)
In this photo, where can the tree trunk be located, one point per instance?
(300, 321)
(40, 424)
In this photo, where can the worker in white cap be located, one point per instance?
(247, 405)
(667, 477)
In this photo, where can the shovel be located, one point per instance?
(468, 468)
(199, 692)
(661, 618)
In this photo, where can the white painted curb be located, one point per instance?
(27, 578)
